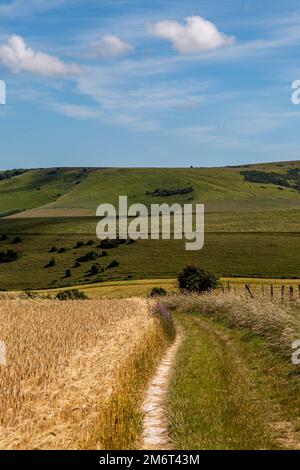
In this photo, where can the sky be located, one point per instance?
(148, 82)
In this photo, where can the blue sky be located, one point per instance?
(148, 82)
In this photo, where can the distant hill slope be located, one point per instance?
(78, 191)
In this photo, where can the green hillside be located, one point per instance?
(251, 228)
(71, 192)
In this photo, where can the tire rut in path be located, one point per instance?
(155, 422)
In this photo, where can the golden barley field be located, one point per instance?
(74, 372)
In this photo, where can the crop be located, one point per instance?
(75, 372)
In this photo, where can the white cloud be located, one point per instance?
(198, 35)
(17, 56)
(75, 111)
(111, 46)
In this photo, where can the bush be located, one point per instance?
(90, 243)
(68, 273)
(16, 240)
(53, 249)
(71, 294)
(51, 263)
(113, 264)
(62, 250)
(91, 256)
(9, 256)
(158, 292)
(79, 245)
(30, 294)
(94, 270)
(194, 279)
(3, 238)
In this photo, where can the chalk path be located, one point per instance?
(155, 423)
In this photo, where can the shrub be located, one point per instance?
(53, 249)
(79, 245)
(62, 250)
(30, 294)
(90, 243)
(94, 270)
(91, 256)
(51, 263)
(169, 192)
(109, 244)
(194, 279)
(9, 256)
(113, 264)
(3, 238)
(16, 240)
(158, 292)
(68, 273)
(71, 294)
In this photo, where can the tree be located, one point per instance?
(193, 279)
(68, 273)
(51, 263)
(158, 292)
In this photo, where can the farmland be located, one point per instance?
(52, 213)
(67, 364)
(230, 242)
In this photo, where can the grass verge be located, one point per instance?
(231, 391)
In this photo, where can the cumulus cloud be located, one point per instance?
(198, 35)
(111, 46)
(18, 56)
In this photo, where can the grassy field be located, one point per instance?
(75, 372)
(230, 244)
(234, 385)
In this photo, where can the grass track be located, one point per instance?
(230, 392)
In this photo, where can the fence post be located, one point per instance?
(272, 292)
(228, 285)
(292, 299)
(282, 293)
(248, 289)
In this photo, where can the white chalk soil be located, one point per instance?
(155, 423)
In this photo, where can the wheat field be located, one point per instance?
(65, 362)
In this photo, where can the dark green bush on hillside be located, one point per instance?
(91, 256)
(51, 263)
(71, 294)
(8, 174)
(9, 256)
(79, 245)
(169, 192)
(16, 240)
(194, 279)
(113, 264)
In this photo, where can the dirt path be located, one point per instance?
(155, 435)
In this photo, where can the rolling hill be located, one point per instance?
(78, 191)
(48, 224)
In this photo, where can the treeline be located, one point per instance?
(8, 174)
(289, 180)
(169, 192)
